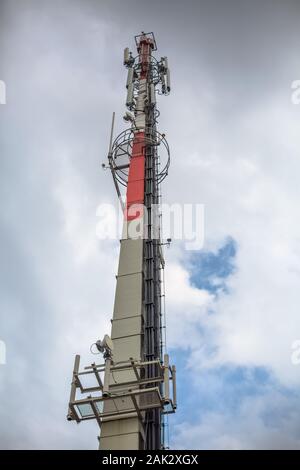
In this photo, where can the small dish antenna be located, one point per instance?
(104, 346)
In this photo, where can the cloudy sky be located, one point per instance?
(234, 306)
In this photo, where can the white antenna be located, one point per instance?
(104, 346)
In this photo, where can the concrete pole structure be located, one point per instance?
(128, 315)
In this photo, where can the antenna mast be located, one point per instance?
(135, 394)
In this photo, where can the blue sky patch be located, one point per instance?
(209, 270)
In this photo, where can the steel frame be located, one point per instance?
(122, 147)
(134, 390)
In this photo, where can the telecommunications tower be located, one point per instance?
(134, 388)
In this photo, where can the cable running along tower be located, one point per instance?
(134, 388)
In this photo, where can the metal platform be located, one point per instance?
(124, 399)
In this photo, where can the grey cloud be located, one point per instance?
(62, 63)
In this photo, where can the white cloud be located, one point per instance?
(256, 424)
(250, 193)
